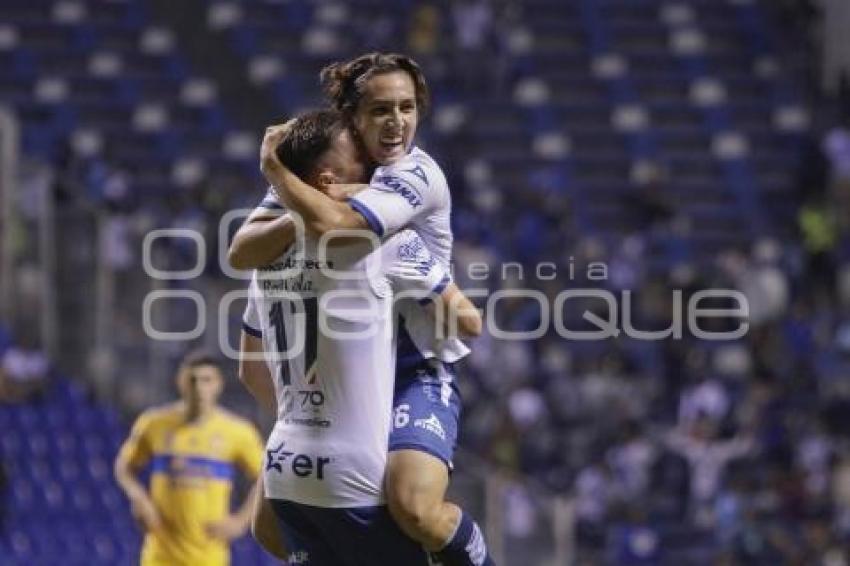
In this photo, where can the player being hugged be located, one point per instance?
(381, 97)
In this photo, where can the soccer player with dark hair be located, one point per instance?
(192, 448)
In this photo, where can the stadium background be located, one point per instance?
(687, 144)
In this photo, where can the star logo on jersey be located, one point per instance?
(302, 465)
(419, 172)
(276, 457)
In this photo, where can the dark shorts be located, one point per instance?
(353, 536)
(426, 410)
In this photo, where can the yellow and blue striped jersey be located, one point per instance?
(192, 466)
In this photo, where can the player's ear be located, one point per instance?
(326, 178)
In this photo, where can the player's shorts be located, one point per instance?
(353, 536)
(426, 410)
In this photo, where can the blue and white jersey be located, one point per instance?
(334, 370)
(413, 193)
(410, 193)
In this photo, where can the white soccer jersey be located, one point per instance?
(412, 193)
(335, 386)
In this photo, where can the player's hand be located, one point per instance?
(145, 513)
(342, 192)
(226, 529)
(268, 149)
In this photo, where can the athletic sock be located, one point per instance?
(466, 547)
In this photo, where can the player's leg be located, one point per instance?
(416, 489)
(422, 443)
(306, 542)
(264, 526)
(367, 536)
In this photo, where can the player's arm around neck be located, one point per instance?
(456, 314)
(320, 213)
(260, 240)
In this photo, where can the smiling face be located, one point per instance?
(387, 116)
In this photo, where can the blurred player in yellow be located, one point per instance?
(192, 447)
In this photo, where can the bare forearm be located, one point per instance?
(246, 510)
(321, 213)
(254, 373)
(259, 242)
(132, 487)
(262, 390)
(456, 313)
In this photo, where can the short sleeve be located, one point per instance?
(251, 322)
(137, 450)
(401, 194)
(413, 270)
(249, 451)
(271, 201)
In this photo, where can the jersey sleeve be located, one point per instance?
(271, 201)
(413, 270)
(251, 322)
(249, 451)
(137, 450)
(400, 194)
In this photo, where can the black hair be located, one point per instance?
(198, 358)
(310, 136)
(344, 82)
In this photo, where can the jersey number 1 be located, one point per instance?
(310, 330)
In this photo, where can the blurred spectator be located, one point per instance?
(637, 541)
(836, 147)
(631, 461)
(836, 48)
(648, 199)
(708, 456)
(841, 494)
(3, 496)
(473, 20)
(425, 31)
(594, 492)
(707, 399)
(814, 454)
(520, 512)
(527, 407)
(819, 228)
(23, 373)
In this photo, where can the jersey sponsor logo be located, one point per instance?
(397, 185)
(431, 424)
(419, 172)
(476, 549)
(302, 465)
(415, 252)
(315, 422)
(298, 557)
(292, 262)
